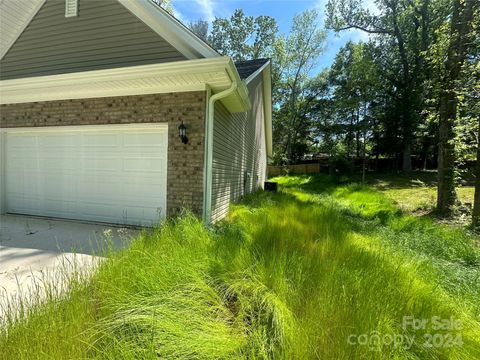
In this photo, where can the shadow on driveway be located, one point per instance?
(35, 251)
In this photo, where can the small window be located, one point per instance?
(71, 8)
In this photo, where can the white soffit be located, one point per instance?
(189, 75)
(15, 15)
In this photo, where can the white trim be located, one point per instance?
(123, 73)
(205, 160)
(100, 127)
(241, 88)
(266, 69)
(3, 192)
(267, 104)
(99, 93)
(178, 76)
(258, 71)
(4, 50)
(172, 30)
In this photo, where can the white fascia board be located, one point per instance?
(95, 128)
(242, 90)
(19, 97)
(3, 193)
(266, 71)
(178, 76)
(124, 73)
(267, 103)
(4, 49)
(172, 30)
(255, 74)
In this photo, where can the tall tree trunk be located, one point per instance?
(460, 28)
(357, 133)
(364, 145)
(476, 201)
(446, 195)
(407, 157)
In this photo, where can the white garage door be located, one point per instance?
(115, 174)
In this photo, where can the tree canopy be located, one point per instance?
(407, 97)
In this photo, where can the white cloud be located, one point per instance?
(207, 7)
(179, 15)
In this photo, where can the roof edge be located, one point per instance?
(267, 103)
(257, 72)
(118, 82)
(171, 29)
(5, 50)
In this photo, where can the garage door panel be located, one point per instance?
(102, 164)
(143, 139)
(34, 205)
(60, 141)
(101, 140)
(92, 173)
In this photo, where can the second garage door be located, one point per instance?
(114, 174)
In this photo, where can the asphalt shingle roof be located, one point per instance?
(247, 68)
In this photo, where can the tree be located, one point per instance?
(244, 37)
(297, 55)
(200, 28)
(354, 85)
(165, 4)
(460, 27)
(471, 96)
(403, 28)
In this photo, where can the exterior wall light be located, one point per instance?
(182, 132)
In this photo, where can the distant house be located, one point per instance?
(94, 97)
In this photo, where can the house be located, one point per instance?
(94, 96)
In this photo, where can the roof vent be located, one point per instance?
(71, 8)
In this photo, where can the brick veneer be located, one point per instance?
(185, 162)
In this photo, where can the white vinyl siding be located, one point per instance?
(239, 152)
(113, 173)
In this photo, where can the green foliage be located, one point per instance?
(297, 56)
(244, 37)
(165, 4)
(200, 28)
(287, 276)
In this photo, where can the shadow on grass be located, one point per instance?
(369, 212)
(295, 225)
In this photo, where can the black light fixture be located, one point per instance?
(182, 132)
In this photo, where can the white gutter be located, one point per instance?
(207, 175)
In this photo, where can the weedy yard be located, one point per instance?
(318, 270)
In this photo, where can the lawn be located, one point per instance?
(416, 192)
(319, 270)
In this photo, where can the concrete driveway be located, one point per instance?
(36, 251)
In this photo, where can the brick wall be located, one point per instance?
(185, 162)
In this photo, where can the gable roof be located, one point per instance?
(16, 15)
(249, 70)
(172, 30)
(14, 18)
(249, 67)
(105, 35)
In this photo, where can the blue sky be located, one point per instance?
(282, 10)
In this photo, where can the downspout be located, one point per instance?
(207, 198)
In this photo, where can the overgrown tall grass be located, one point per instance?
(287, 276)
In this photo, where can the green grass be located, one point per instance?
(291, 275)
(415, 192)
